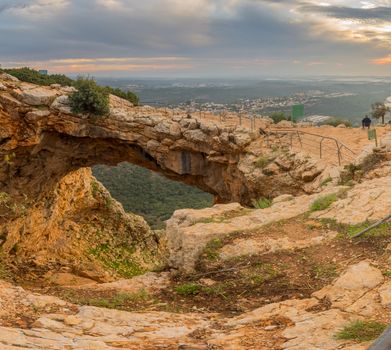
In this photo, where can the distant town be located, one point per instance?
(262, 105)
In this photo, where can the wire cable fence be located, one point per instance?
(324, 147)
(223, 117)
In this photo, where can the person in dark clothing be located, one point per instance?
(366, 122)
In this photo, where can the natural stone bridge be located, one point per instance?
(42, 141)
(48, 209)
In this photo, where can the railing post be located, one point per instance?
(298, 135)
(338, 153)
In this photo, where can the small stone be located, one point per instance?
(270, 328)
(207, 282)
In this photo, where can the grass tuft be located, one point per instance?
(262, 203)
(211, 249)
(326, 181)
(382, 230)
(361, 331)
(188, 289)
(323, 203)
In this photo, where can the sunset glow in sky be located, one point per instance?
(217, 38)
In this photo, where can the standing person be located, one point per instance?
(366, 122)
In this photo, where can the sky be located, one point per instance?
(198, 38)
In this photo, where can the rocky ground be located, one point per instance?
(292, 279)
(288, 275)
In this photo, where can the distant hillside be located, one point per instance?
(148, 194)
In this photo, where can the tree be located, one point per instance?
(278, 116)
(379, 110)
(89, 98)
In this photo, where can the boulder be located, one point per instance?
(61, 104)
(360, 276)
(285, 124)
(36, 96)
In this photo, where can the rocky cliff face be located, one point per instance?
(75, 227)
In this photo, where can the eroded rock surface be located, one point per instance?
(368, 201)
(189, 230)
(291, 324)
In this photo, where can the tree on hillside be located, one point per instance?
(278, 116)
(89, 98)
(379, 110)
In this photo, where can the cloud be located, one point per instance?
(382, 60)
(206, 35)
(382, 13)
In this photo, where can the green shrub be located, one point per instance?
(262, 203)
(188, 289)
(361, 331)
(336, 122)
(323, 203)
(32, 76)
(126, 95)
(90, 98)
(278, 116)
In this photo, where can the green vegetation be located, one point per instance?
(353, 172)
(323, 203)
(379, 110)
(278, 116)
(32, 76)
(262, 162)
(325, 271)
(326, 181)
(188, 289)
(148, 194)
(262, 203)
(126, 95)
(382, 230)
(211, 249)
(361, 331)
(89, 98)
(336, 122)
(118, 258)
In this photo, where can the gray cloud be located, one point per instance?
(210, 37)
(378, 13)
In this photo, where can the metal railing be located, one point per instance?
(324, 146)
